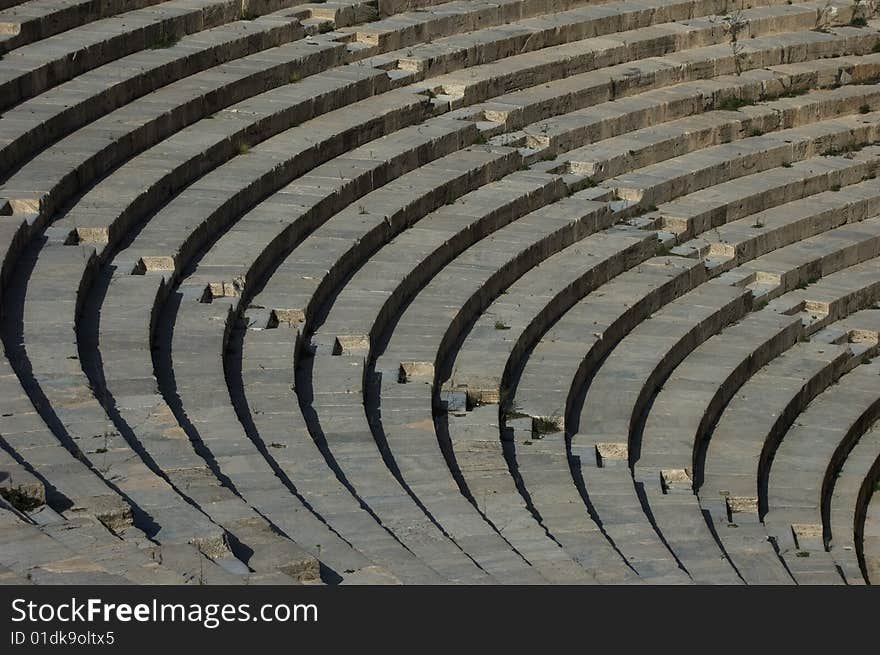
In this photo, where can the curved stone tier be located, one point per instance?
(387, 292)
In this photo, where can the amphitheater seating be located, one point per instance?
(389, 292)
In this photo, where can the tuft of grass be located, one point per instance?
(543, 425)
(165, 42)
(243, 149)
(794, 93)
(664, 249)
(786, 164)
(859, 21)
(835, 187)
(480, 140)
(876, 48)
(501, 325)
(732, 104)
(865, 109)
(836, 152)
(803, 553)
(20, 500)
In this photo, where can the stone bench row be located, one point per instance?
(747, 238)
(575, 130)
(677, 176)
(215, 438)
(446, 55)
(693, 214)
(126, 354)
(269, 404)
(849, 507)
(204, 157)
(803, 470)
(399, 432)
(664, 140)
(614, 307)
(118, 371)
(698, 390)
(79, 497)
(478, 391)
(869, 545)
(406, 267)
(736, 457)
(38, 19)
(666, 45)
(477, 456)
(474, 438)
(34, 124)
(566, 220)
(610, 413)
(33, 68)
(805, 261)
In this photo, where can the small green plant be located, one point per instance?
(835, 187)
(501, 325)
(294, 78)
(243, 149)
(732, 104)
(164, 42)
(481, 139)
(794, 92)
(735, 23)
(865, 109)
(803, 553)
(545, 425)
(876, 48)
(664, 249)
(275, 444)
(362, 210)
(834, 151)
(20, 500)
(786, 164)
(859, 21)
(758, 224)
(101, 451)
(755, 132)
(248, 15)
(805, 283)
